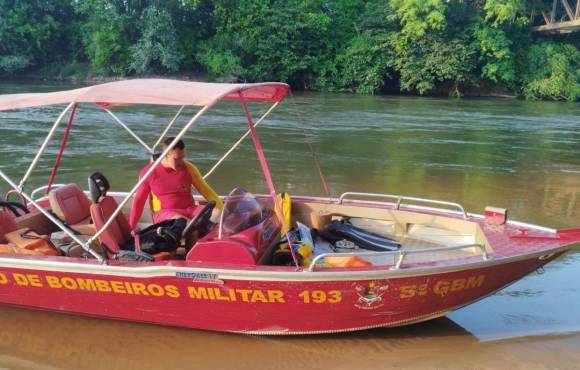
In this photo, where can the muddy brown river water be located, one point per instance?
(524, 156)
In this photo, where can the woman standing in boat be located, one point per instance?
(170, 189)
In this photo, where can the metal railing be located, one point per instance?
(401, 198)
(402, 254)
(86, 246)
(36, 159)
(42, 188)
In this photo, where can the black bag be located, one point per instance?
(343, 229)
(161, 237)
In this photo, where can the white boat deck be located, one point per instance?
(419, 237)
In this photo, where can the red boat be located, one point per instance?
(394, 260)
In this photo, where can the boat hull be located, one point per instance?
(212, 300)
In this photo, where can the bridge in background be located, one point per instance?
(564, 17)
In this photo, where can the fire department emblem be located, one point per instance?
(370, 296)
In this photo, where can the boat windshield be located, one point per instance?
(241, 211)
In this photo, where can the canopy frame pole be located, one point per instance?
(167, 128)
(43, 147)
(148, 173)
(266, 172)
(61, 150)
(57, 222)
(129, 130)
(215, 166)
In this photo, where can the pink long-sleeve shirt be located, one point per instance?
(170, 191)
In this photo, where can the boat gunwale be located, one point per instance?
(274, 273)
(163, 270)
(391, 205)
(445, 211)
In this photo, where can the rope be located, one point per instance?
(311, 147)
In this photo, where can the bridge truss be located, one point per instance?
(564, 17)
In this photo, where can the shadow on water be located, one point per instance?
(545, 302)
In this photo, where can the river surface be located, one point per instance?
(519, 155)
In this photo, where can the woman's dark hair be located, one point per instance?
(179, 145)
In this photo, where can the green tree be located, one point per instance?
(157, 48)
(366, 65)
(552, 72)
(494, 50)
(420, 16)
(503, 11)
(193, 22)
(362, 46)
(264, 40)
(108, 30)
(35, 33)
(363, 60)
(426, 50)
(424, 62)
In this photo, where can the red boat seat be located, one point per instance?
(72, 206)
(7, 224)
(118, 233)
(22, 241)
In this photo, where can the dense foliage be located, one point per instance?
(366, 46)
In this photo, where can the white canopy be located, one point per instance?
(151, 91)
